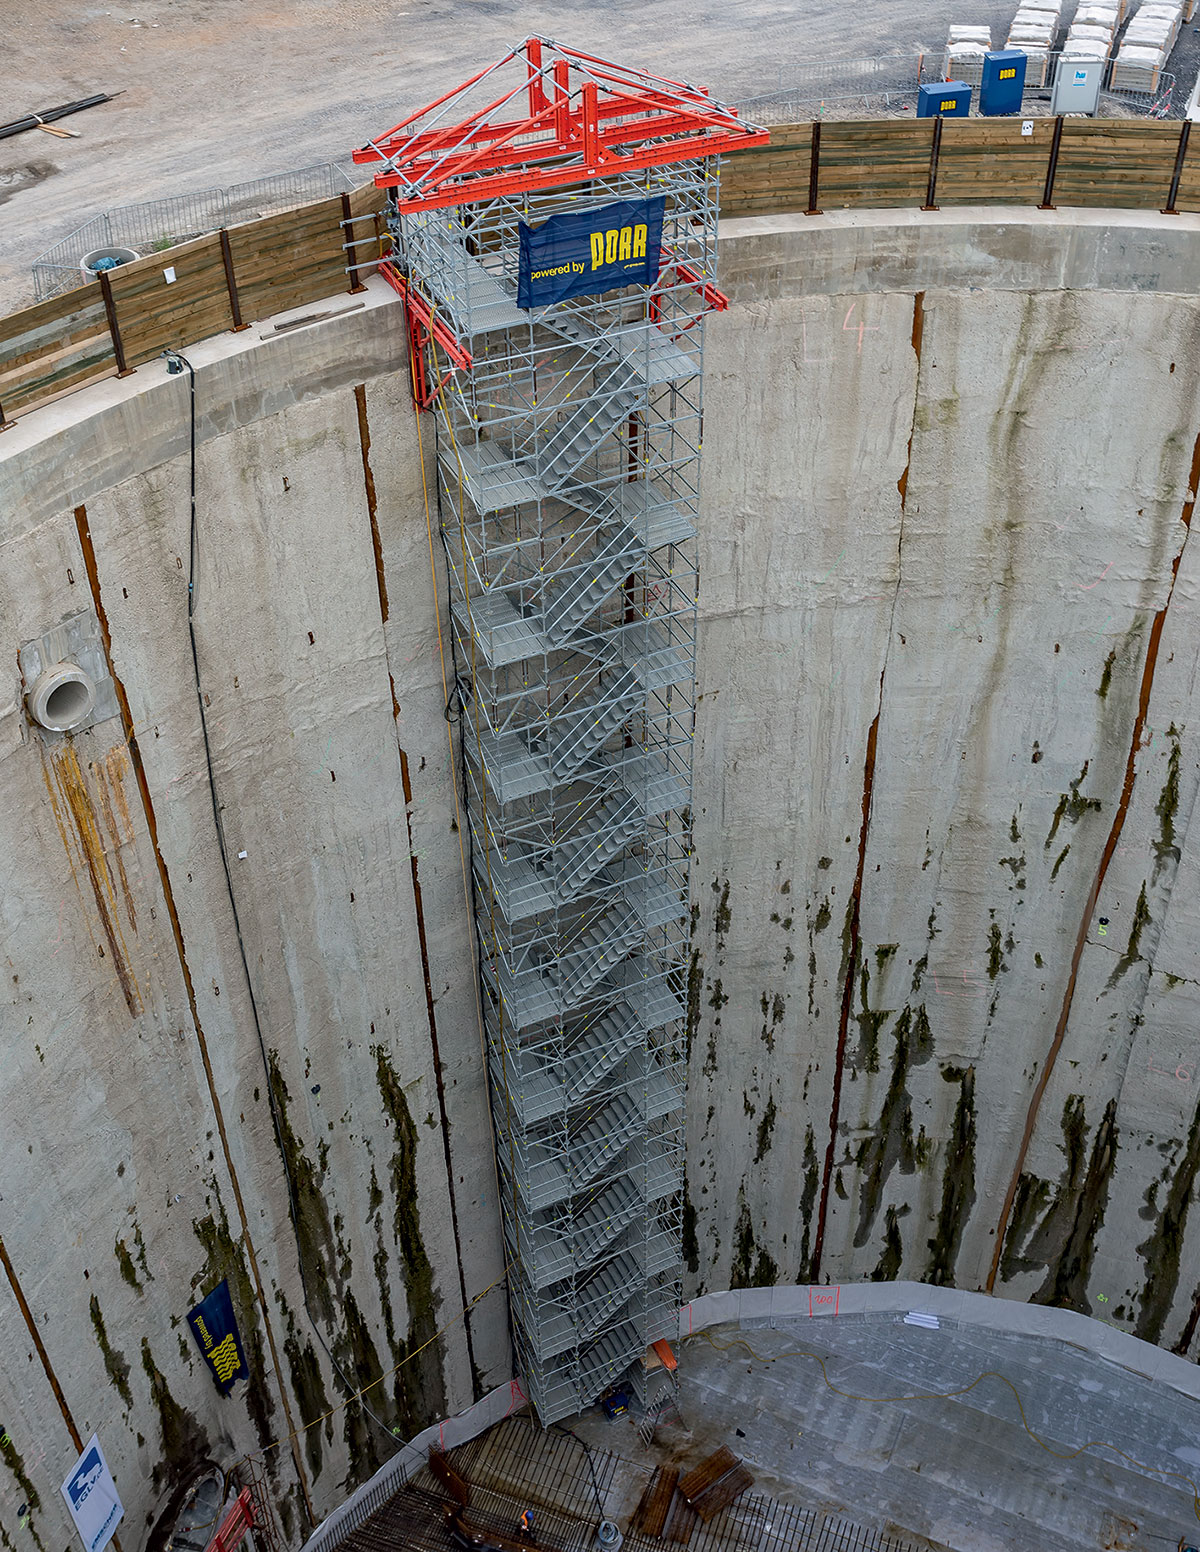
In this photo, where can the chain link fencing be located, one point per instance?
(160, 224)
(887, 88)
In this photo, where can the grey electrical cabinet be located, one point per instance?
(1077, 86)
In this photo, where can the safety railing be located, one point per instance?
(887, 86)
(161, 224)
(241, 273)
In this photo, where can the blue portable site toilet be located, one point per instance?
(1003, 81)
(944, 100)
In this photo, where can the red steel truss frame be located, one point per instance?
(584, 118)
(424, 327)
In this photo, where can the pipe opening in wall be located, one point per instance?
(62, 697)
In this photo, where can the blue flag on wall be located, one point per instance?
(215, 1328)
(591, 251)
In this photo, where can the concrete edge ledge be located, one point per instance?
(967, 247)
(1007, 1316)
(55, 458)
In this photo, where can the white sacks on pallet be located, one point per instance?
(1148, 42)
(965, 48)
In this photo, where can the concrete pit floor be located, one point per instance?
(956, 1472)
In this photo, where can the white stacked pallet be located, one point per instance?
(1147, 44)
(1093, 30)
(965, 48)
(1032, 31)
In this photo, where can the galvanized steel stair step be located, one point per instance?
(635, 523)
(640, 1081)
(580, 433)
(644, 346)
(548, 1175)
(605, 1299)
(549, 1254)
(607, 1358)
(536, 993)
(490, 475)
(578, 733)
(522, 888)
(536, 1088)
(473, 300)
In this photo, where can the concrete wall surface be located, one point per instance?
(143, 1162)
(947, 654)
(944, 986)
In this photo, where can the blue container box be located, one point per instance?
(944, 100)
(1003, 81)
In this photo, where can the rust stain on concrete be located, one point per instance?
(104, 776)
(1110, 847)
(74, 797)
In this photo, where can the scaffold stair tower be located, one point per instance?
(568, 415)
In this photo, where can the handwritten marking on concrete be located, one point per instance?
(1098, 581)
(320, 768)
(973, 996)
(822, 580)
(1183, 1072)
(862, 327)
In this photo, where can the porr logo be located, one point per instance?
(619, 242)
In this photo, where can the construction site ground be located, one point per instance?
(216, 92)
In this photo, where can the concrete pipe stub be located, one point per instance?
(63, 696)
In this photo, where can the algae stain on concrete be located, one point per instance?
(185, 1442)
(15, 1464)
(765, 1127)
(763, 1273)
(1162, 1249)
(1064, 1242)
(958, 1183)
(424, 1387)
(811, 1174)
(691, 1244)
(1072, 805)
(1167, 807)
(892, 1142)
(1141, 919)
(314, 1231)
(870, 1021)
(887, 1268)
(115, 1364)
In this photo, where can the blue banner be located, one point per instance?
(594, 250)
(215, 1328)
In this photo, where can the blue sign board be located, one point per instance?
(215, 1329)
(585, 252)
(1003, 81)
(944, 100)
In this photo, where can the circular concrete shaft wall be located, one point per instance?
(943, 995)
(943, 998)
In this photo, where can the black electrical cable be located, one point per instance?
(272, 1097)
(587, 1450)
(35, 120)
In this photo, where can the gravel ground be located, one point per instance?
(221, 91)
